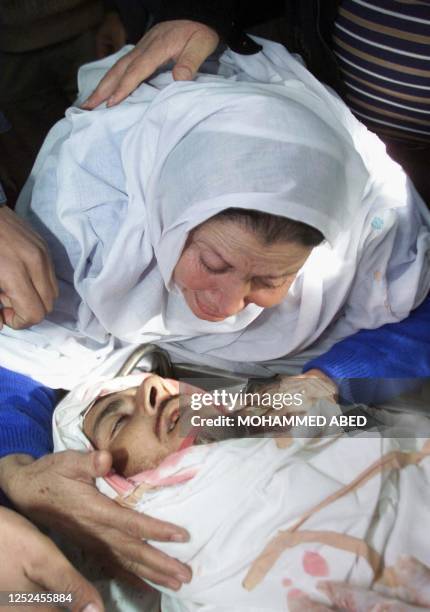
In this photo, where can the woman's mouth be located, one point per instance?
(207, 313)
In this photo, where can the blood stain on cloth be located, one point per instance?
(286, 582)
(295, 594)
(315, 565)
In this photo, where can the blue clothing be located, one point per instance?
(370, 366)
(376, 364)
(26, 409)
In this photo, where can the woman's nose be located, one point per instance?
(151, 394)
(230, 300)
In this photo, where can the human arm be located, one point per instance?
(54, 488)
(186, 32)
(376, 364)
(27, 278)
(36, 565)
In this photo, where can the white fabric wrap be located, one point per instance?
(240, 494)
(116, 191)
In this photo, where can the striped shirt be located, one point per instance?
(383, 50)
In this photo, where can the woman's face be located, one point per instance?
(224, 267)
(139, 426)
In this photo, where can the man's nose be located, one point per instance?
(151, 394)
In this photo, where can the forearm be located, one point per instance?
(375, 365)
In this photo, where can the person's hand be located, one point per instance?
(187, 43)
(411, 593)
(28, 286)
(58, 491)
(34, 564)
(111, 36)
(310, 387)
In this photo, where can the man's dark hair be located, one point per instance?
(272, 228)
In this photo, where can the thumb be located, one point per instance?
(87, 466)
(198, 48)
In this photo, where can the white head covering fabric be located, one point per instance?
(116, 192)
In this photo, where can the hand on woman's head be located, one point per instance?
(227, 264)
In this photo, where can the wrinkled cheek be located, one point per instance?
(194, 280)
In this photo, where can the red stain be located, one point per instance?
(295, 594)
(315, 565)
(286, 582)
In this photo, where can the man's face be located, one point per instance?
(139, 426)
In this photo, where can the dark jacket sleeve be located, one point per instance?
(377, 364)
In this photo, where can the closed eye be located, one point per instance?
(212, 270)
(118, 425)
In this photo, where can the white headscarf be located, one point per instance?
(129, 184)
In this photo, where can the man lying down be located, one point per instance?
(272, 520)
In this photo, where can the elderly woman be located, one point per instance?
(246, 220)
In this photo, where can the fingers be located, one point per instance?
(22, 305)
(201, 44)
(350, 598)
(142, 66)
(187, 42)
(136, 556)
(28, 286)
(320, 384)
(48, 568)
(157, 567)
(394, 606)
(142, 527)
(113, 80)
(298, 602)
(83, 466)
(414, 578)
(63, 486)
